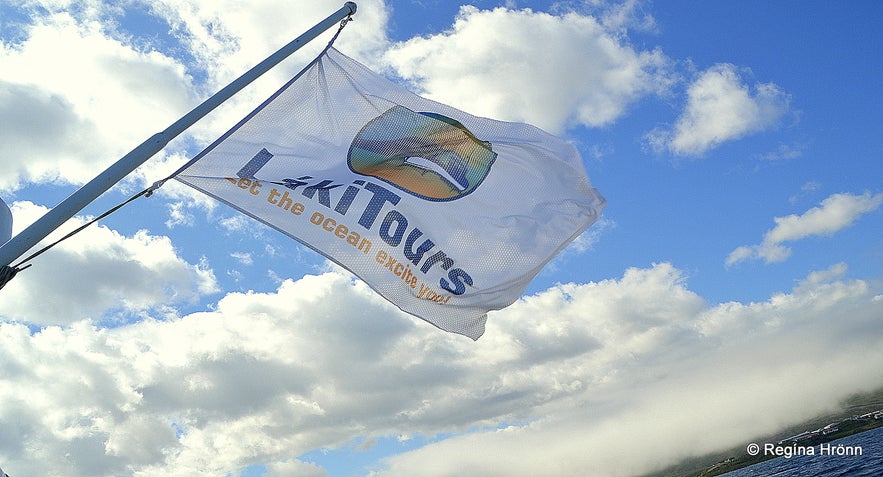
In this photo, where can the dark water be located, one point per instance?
(825, 462)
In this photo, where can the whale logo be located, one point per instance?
(425, 154)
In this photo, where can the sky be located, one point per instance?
(732, 287)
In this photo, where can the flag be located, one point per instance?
(445, 214)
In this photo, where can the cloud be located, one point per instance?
(40, 129)
(322, 362)
(224, 45)
(720, 107)
(76, 99)
(520, 65)
(805, 189)
(243, 258)
(746, 358)
(294, 467)
(102, 274)
(833, 214)
(783, 152)
(588, 239)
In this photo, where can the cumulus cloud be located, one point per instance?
(100, 271)
(76, 99)
(720, 107)
(521, 65)
(833, 214)
(40, 129)
(323, 361)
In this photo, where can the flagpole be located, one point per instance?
(54, 218)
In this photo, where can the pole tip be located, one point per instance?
(351, 6)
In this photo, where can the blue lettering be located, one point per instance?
(458, 277)
(343, 205)
(410, 253)
(392, 229)
(322, 188)
(255, 164)
(293, 184)
(402, 224)
(380, 198)
(439, 257)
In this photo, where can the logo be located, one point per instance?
(425, 154)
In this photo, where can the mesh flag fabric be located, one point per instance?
(445, 214)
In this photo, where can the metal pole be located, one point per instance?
(5, 225)
(37, 231)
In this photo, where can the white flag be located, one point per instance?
(445, 214)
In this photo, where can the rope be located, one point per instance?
(7, 273)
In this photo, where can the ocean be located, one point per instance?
(841, 459)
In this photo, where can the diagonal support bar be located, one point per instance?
(33, 234)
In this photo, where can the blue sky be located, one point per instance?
(732, 287)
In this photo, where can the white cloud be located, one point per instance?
(294, 467)
(243, 258)
(588, 239)
(747, 360)
(237, 223)
(76, 99)
(179, 215)
(620, 17)
(40, 129)
(833, 214)
(783, 152)
(805, 189)
(98, 271)
(720, 107)
(322, 361)
(552, 71)
(227, 39)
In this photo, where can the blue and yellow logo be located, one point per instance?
(425, 154)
